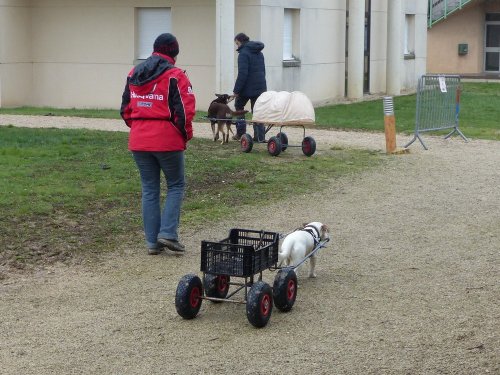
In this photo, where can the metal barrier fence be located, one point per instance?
(438, 105)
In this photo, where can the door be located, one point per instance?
(492, 43)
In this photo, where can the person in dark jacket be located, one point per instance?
(158, 105)
(251, 80)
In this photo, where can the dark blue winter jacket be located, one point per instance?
(251, 81)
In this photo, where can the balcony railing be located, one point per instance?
(440, 9)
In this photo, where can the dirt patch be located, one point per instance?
(408, 284)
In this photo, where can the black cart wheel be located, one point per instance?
(274, 146)
(284, 140)
(187, 296)
(308, 146)
(259, 304)
(285, 289)
(216, 285)
(246, 143)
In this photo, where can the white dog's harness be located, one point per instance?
(313, 231)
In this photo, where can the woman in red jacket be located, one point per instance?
(158, 104)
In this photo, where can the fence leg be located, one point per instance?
(457, 130)
(415, 137)
(412, 140)
(422, 141)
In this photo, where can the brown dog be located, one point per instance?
(220, 113)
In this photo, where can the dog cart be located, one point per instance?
(282, 109)
(234, 262)
(275, 144)
(279, 143)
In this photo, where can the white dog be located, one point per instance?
(298, 244)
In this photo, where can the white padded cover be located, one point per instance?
(283, 107)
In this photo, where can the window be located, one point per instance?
(492, 43)
(291, 34)
(493, 17)
(409, 37)
(151, 22)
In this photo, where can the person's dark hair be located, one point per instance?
(242, 38)
(166, 44)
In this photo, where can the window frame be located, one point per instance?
(149, 24)
(409, 36)
(490, 49)
(291, 37)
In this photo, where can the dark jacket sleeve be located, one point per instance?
(243, 69)
(182, 104)
(125, 109)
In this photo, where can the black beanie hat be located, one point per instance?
(166, 44)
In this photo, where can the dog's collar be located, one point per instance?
(313, 231)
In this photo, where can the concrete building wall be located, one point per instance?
(15, 53)
(378, 46)
(321, 71)
(81, 52)
(77, 53)
(323, 54)
(415, 65)
(193, 23)
(465, 26)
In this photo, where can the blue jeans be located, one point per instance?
(161, 223)
(259, 131)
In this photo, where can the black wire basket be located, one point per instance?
(244, 253)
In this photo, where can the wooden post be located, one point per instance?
(389, 125)
(390, 128)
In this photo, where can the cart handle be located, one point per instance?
(320, 245)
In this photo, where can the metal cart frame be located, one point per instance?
(275, 144)
(243, 254)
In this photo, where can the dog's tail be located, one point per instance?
(284, 253)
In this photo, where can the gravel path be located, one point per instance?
(408, 285)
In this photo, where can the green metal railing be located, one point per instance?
(440, 9)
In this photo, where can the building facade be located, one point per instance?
(467, 42)
(77, 53)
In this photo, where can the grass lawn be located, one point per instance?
(73, 112)
(68, 194)
(71, 194)
(479, 113)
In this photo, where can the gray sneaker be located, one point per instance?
(155, 250)
(173, 245)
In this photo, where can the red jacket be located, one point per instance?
(158, 105)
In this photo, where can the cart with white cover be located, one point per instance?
(282, 108)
